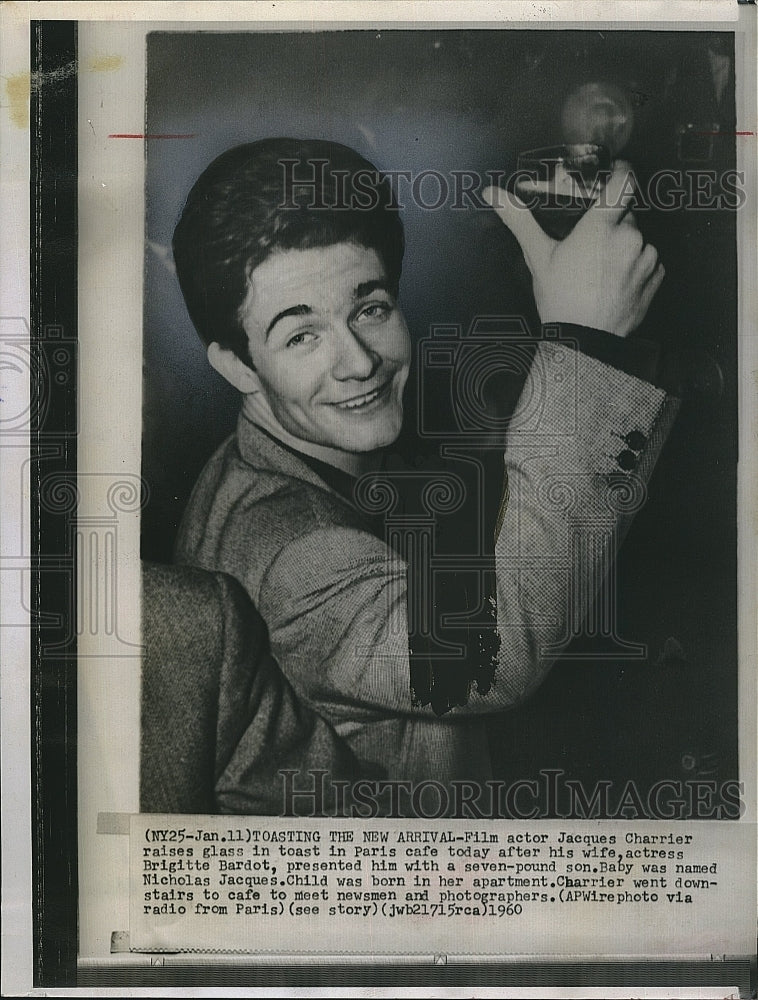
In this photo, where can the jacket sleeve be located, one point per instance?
(578, 453)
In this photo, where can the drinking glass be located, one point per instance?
(559, 183)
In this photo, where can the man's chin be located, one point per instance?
(364, 445)
(362, 440)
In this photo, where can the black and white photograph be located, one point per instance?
(377, 432)
(440, 436)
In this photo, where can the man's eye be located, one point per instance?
(375, 310)
(300, 338)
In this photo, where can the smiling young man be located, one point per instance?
(329, 370)
(292, 283)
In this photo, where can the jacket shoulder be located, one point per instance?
(240, 517)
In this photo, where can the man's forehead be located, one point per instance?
(319, 277)
(324, 268)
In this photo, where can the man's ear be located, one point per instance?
(233, 369)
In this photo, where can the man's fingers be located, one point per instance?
(648, 260)
(613, 203)
(651, 287)
(632, 240)
(535, 244)
(656, 278)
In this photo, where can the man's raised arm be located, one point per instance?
(575, 475)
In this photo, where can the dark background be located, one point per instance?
(458, 100)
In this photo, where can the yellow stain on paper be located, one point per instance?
(17, 88)
(105, 64)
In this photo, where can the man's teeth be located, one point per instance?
(353, 404)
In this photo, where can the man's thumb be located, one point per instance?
(535, 244)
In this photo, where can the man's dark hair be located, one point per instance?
(271, 195)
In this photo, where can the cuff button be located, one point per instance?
(636, 440)
(626, 461)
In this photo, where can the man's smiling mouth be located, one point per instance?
(360, 402)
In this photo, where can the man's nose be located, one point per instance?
(353, 359)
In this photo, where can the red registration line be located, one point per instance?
(724, 133)
(140, 135)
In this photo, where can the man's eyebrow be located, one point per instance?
(360, 292)
(300, 310)
(367, 287)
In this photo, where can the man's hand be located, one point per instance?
(602, 275)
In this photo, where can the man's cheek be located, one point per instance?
(285, 389)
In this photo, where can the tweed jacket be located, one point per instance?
(577, 456)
